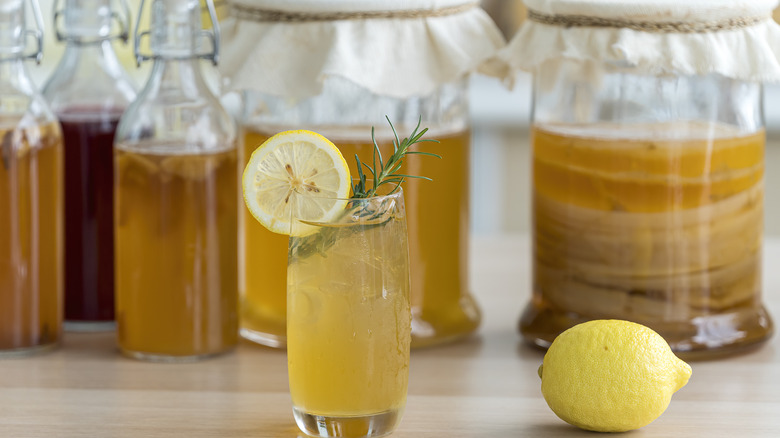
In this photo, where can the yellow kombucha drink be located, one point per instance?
(438, 220)
(31, 237)
(657, 224)
(349, 323)
(176, 255)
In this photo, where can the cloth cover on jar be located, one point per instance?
(734, 38)
(396, 48)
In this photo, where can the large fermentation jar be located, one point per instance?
(648, 167)
(339, 68)
(31, 234)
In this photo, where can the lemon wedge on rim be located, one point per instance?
(296, 176)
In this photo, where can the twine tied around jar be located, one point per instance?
(273, 15)
(646, 26)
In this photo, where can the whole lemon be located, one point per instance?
(610, 375)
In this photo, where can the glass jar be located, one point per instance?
(443, 308)
(648, 193)
(31, 197)
(343, 102)
(89, 90)
(177, 195)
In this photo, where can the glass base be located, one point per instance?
(267, 339)
(89, 326)
(703, 337)
(167, 358)
(27, 351)
(376, 425)
(448, 324)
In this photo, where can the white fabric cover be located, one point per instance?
(749, 53)
(393, 57)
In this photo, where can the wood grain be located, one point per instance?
(485, 386)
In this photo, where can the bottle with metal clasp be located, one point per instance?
(89, 90)
(31, 199)
(176, 190)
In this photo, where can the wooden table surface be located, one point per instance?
(484, 386)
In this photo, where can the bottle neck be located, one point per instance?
(12, 30)
(13, 74)
(175, 25)
(177, 77)
(88, 56)
(86, 21)
(89, 78)
(19, 96)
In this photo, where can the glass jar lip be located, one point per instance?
(329, 6)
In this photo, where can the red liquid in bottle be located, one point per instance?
(89, 215)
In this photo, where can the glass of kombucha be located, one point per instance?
(648, 206)
(31, 201)
(176, 214)
(89, 90)
(349, 321)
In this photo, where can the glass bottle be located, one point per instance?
(89, 90)
(177, 196)
(648, 191)
(31, 198)
(343, 110)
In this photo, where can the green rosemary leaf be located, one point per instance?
(387, 171)
(414, 176)
(423, 153)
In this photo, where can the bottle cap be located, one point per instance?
(90, 21)
(14, 32)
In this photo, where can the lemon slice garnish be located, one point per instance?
(296, 176)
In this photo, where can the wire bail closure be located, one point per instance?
(37, 33)
(213, 36)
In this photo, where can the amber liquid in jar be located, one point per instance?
(177, 248)
(31, 238)
(437, 215)
(665, 232)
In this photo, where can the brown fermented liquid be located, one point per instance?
(438, 210)
(31, 241)
(665, 232)
(176, 240)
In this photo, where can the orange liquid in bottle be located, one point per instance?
(438, 211)
(176, 260)
(31, 238)
(665, 232)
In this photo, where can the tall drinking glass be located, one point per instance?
(349, 320)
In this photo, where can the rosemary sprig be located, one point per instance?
(387, 171)
(382, 172)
